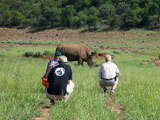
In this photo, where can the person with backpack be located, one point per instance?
(52, 63)
(60, 83)
(108, 74)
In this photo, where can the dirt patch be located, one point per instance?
(25, 34)
(45, 113)
(116, 107)
(99, 55)
(65, 35)
(155, 60)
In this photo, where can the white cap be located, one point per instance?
(108, 58)
(63, 58)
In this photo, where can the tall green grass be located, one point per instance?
(21, 90)
(87, 101)
(139, 92)
(22, 94)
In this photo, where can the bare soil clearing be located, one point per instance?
(67, 35)
(25, 34)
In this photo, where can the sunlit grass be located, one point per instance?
(22, 94)
(21, 91)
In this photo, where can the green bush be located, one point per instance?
(26, 22)
(46, 52)
(16, 18)
(37, 54)
(108, 52)
(28, 54)
(117, 51)
(127, 51)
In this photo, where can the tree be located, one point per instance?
(107, 15)
(80, 20)
(3, 13)
(52, 16)
(82, 4)
(92, 19)
(16, 18)
(67, 14)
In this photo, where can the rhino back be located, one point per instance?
(73, 52)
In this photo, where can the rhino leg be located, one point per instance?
(80, 61)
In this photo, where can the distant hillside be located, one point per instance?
(99, 15)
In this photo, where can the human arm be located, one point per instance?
(70, 86)
(69, 81)
(100, 72)
(117, 72)
(70, 76)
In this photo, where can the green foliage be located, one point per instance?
(37, 54)
(28, 54)
(154, 22)
(109, 52)
(135, 92)
(110, 14)
(34, 54)
(82, 4)
(67, 15)
(46, 52)
(23, 97)
(106, 12)
(51, 17)
(117, 51)
(16, 18)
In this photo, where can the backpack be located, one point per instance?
(44, 82)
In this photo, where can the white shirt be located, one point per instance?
(108, 70)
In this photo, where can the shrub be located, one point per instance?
(46, 52)
(37, 54)
(25, 22)
(127, 51)
(102, 46)
(94, 48)
(28, 54)
(117, 51)
(16, 18)
(108, 52)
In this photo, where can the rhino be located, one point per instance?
(78, 53)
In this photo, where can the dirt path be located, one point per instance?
(117, 108)
(45, 113)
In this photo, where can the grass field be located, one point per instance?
(22, 94)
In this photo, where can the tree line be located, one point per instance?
(92, 14)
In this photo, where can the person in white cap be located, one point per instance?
(60, 83)
(108, 74)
